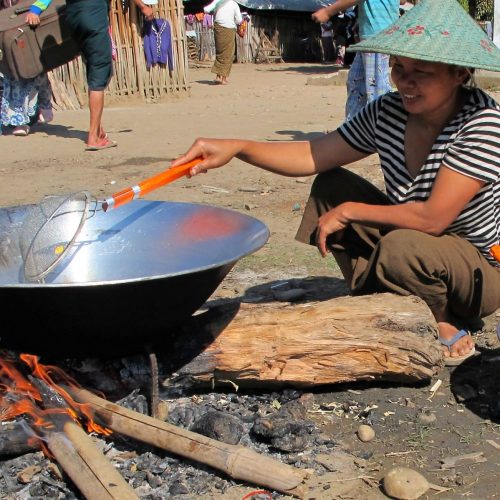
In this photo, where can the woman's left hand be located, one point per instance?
(32, 19)
(329, 223)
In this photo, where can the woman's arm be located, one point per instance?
(293, 158)
(450, 194)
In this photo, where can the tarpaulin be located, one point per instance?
(297, 5)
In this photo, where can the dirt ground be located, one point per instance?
(414, 426)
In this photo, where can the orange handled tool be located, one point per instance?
(148, 185)
(495, 251)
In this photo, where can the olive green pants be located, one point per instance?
(445, 271)
(225, 43)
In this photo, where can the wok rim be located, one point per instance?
(261, 236)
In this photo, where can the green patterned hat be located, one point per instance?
(436, 31)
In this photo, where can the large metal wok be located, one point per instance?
(141, 269)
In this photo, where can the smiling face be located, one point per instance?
(427, 88)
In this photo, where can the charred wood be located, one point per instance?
(76, 453)
(14, 440)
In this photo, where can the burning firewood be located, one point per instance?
(14, 440)
(72, 447)
(235, 460)
(54, 424)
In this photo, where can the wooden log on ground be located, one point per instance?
(373, 337)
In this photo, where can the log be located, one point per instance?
(93, 474)
(237, 461)
(14, 440)
(362, 338)
(88, 468)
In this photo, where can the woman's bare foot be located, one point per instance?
(462, 346)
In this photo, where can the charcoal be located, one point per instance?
(178, 488)
(153, 480)
(220, 426)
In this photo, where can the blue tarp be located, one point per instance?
(297, 5)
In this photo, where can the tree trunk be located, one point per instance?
(373, 337)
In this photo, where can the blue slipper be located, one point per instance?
(456, 360)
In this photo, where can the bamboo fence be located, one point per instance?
(131, 76)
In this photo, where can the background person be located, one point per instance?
(227, 17)
(432, 233)
(368, 76)
(26, 101)
(329, 49)
(89, 23)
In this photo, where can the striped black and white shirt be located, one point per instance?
(469, 144)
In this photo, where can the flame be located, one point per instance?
(18, 396)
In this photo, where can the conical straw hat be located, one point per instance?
(436, 31)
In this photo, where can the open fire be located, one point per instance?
(19, 396)
(56, 410)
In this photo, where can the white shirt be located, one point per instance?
(227, 13)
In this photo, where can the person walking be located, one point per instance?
(435, 231)
(26, 101)
(89, 23)
(368, 76)
(329, 49)
(227, 17)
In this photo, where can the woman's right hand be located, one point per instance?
(214, 154)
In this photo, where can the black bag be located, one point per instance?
(25, 51)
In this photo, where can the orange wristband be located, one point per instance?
(495, 251)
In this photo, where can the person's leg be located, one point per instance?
(447, 272)
(356, 91)
(89, 23)
(224, 47)
(377, 81)
(44, 98)
(19, 104)
(96, 107)
(354, 246)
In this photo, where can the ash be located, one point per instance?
(273, 424)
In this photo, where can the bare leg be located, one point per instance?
(96, 106)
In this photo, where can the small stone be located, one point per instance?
(365, 433)
(296, 207)
(405, 484)
(426, 417)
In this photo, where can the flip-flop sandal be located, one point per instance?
(106, 144)
(21, 131)
(456, 360)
